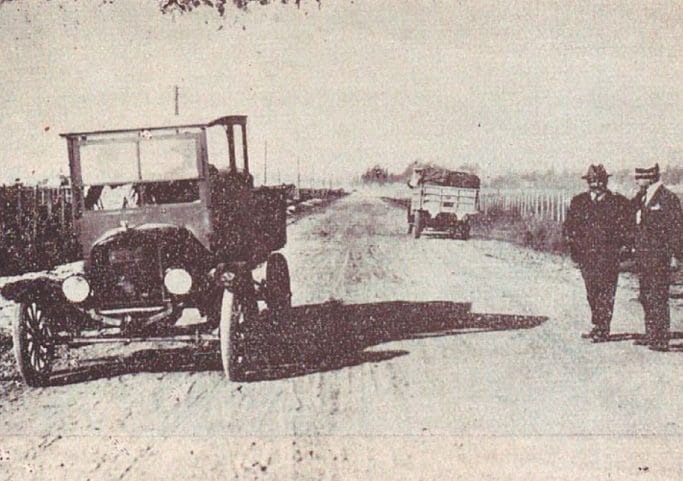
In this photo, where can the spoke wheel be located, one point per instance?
(238, 310)
(34, 347)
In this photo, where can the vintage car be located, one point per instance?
(442, 200)
(162, 229)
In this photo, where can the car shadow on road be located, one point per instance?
(328, 336)
(313, 338)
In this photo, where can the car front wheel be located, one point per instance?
(34, 346)
(238, 310)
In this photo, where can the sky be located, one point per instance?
(508, 86)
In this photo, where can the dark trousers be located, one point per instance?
(600, 279)
(654, 296)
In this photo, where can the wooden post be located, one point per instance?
(49, 202)
(62, 207)
(34, 223)
(19, 205)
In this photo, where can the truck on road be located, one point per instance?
(442, 200)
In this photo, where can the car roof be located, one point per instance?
(226, 120)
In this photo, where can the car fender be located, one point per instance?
(40, 288)
(45, 291)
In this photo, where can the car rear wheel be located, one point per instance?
(278, 286)
(418, 224)
(465, 231)
(410, 220)
(34, 346)
(238, 310)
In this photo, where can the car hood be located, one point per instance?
(141, 233)
(176, 245)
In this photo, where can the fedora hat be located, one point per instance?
(597, 172)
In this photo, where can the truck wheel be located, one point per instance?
(465, 230)
(417, 228)
(410, 221)
(237, 311)
(278, 288)
(34, 346)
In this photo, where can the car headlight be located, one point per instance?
(76, 288)
(178, 281)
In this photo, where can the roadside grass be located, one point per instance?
(538, 234)
(8, 368)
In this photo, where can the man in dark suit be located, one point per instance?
(658, 244)
(596, 228)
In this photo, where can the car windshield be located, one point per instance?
(138, 158)
(132, 169)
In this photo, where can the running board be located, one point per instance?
(84, 341)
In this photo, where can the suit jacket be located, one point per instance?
(595, 231)
(658, 236)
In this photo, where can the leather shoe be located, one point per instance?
(601, 337)
(590, 335)
(659, 347)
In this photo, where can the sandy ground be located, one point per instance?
(405, 359)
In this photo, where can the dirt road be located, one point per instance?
(419, 358)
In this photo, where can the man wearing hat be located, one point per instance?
(658, 243)
(596, 228)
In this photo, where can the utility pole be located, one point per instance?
(177, 97)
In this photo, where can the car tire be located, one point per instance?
(238, 310)
(465, 231)
(278, 285)
(417, 229)
(34, 346)
(410, 220)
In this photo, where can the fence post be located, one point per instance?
(62, 215)
(49, 203)
(34, 225)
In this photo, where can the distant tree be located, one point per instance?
(187, 6)
(375, 174)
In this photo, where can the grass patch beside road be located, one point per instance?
(539, 234)
(9, 375)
